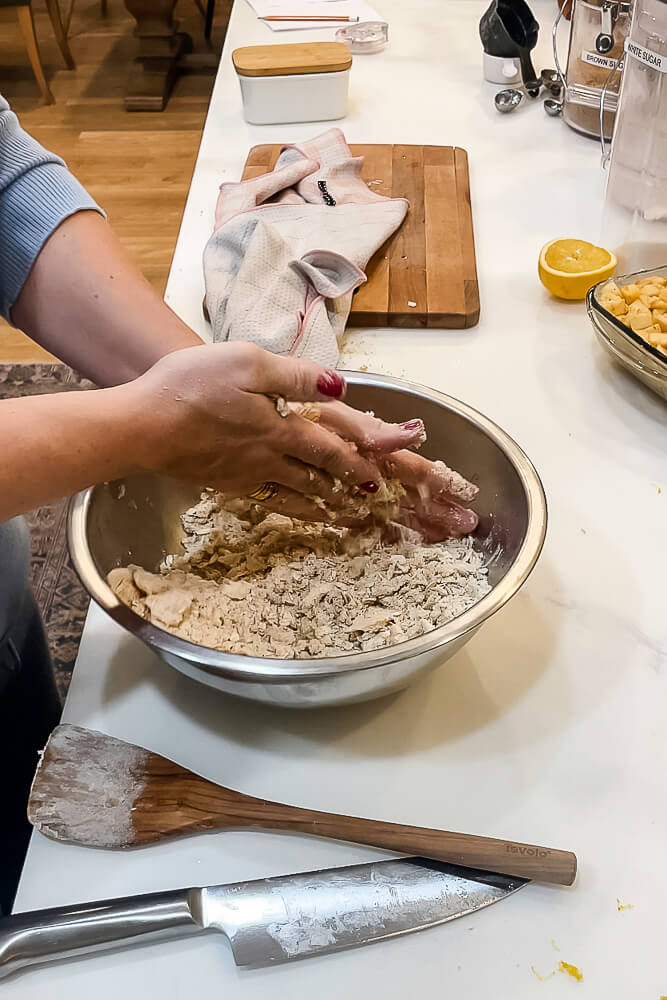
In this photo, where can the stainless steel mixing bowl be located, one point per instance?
(137, 521)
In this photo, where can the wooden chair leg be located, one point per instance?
(210, 11)
(59, 31)
(28, 28)
(67, 18)
(104, 8)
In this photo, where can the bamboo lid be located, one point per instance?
(291, 60)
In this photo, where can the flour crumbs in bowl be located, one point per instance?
(267, 585)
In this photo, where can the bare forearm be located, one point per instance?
(86, 302)
(52, 446)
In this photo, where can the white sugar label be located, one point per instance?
(595, 59)
(647, 56)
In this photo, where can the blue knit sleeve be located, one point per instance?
(37, 193)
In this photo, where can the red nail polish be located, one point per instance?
(413, 425)
(331, 384)
(370, 487)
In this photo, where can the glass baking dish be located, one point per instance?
(645, 362)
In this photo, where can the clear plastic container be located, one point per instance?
(636, 196)
(597, 36)
(364, 38)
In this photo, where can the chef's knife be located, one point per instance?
(267, 920)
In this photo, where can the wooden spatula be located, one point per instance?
(95, 790)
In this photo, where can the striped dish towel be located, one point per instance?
(290, 247)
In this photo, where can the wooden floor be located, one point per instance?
(136, 165)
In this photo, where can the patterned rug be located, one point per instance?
(61, 598)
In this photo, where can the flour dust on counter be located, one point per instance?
(268, 585)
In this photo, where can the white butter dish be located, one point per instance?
(305, 82)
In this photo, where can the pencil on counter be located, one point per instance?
(301, 17)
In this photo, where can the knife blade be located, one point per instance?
(267, 920)
(276, 920)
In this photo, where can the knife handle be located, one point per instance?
(66, 931)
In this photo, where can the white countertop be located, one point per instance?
(550, 725)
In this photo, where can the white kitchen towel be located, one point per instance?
(289, 248)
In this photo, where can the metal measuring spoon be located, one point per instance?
(507, 100)
(551, 80)
(530, 80)
(553, 107)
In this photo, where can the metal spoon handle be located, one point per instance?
(530, 81)
(554, 45)
(603, 96)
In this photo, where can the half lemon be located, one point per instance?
(569, 268)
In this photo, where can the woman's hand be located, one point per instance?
(211, 412)
(210, 418)
(434, 494)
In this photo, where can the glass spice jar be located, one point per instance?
(636, 196)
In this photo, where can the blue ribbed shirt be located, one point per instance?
(37, 193)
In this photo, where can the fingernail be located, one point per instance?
(331, 384)
(370, 487)
(413, 425)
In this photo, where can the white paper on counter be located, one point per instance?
(314, 8)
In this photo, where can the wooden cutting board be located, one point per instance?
(430, 260)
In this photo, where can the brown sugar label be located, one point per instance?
(595, 59)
